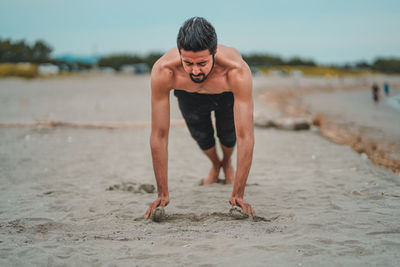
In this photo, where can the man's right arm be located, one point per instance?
(160, 121)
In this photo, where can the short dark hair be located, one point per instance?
(197, 34)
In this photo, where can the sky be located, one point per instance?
(334, 31)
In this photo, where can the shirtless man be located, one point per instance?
(206, 77)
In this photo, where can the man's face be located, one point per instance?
(197, 64)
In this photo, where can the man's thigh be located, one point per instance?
(196, 111)
(225, 121)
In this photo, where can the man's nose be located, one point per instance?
(196, 70)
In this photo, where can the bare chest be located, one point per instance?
(213, 85)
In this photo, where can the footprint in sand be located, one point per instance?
(133, 187)
(219, 181)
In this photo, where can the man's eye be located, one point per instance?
(189, 64)
(202, 64)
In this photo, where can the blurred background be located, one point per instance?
(318, 37)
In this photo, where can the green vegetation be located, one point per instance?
(118, 60)
(256, 60)
(386, 65)
(14, 53)
(328, 72)
(19, 51)
(266, 60)
(266, 63)
(24, 70)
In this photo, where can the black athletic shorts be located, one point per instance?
(196, 110)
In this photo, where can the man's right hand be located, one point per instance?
(246, 207)
(160, 201)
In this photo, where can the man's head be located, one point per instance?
(197, 44)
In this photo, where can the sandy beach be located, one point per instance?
(73, 195)
(344, 111)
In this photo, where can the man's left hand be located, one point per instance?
(246, 207)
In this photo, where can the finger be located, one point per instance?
(245, 208)
(149, 211)
(248, 209)
(152, 207)
(253, 213)
(147, 214)
(163, 203)
(240, 203)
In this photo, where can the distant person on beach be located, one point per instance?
(375, 93)
(205, 77)
(386, 88)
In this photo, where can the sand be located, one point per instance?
(318, 203)
(345, 113)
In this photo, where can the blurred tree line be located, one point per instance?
(116, 61)
(19, 51)
(40, 52)
(266, 60)
(386, 65)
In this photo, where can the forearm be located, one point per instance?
(244, 159)
(159, 152)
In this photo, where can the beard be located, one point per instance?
(199, 78)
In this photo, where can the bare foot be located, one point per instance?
(229, 172)
(212, 176)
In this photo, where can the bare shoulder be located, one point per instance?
(230, 54)
(238, 72)
(232, 60)
(163, 71)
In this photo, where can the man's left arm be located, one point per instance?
(241, 82)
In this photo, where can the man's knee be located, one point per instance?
(228, 141)
(204, 136)
(206, 144)
(226, 133)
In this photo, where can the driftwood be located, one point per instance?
(379, 150)
(381, 153)
(291, 124)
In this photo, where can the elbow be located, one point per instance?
(158, 139)
(247, 139)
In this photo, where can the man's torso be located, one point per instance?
(227, 60)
